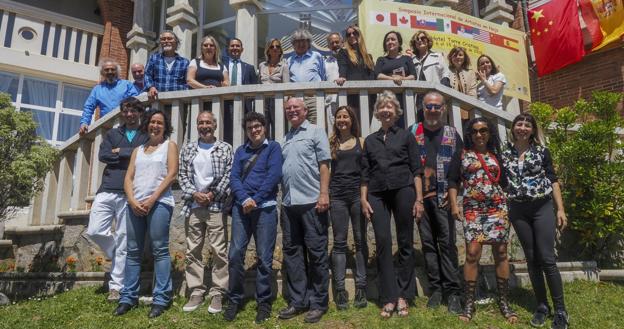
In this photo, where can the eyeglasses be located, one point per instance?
(275, 47)
(434, 106)
(422, 39)
(254, 127)
(353, 34)
(482, 131)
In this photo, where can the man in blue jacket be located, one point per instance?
(110, 201)
(256, 172)
(107, 94)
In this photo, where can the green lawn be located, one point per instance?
(591, 305)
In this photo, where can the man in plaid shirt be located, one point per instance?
(166, 70)
(204, 177)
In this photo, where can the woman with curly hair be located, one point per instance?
(477, 170)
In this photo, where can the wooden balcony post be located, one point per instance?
(364, 113)
(456, 120)
(237, 131)
(279, 116)
(217, 112)
(81, 174)
(192, 120)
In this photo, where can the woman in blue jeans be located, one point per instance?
(153, 168)
(346, 166)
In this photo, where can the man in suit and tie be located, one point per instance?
(241, 73)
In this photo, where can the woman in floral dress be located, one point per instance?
(477, 171)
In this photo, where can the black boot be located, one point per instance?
(470, 288)
(502, 286)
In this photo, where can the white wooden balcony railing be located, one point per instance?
(73, 182)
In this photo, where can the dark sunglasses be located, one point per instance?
(275, 47)
(434, 106)
(482, 131)
(354, 33)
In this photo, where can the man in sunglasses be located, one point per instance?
(110, 201)
(437, 142)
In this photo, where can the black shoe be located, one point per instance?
(560, 321)
(539, 316)
(313, 316)
(360, 298)
(342, 300)
(156, 311)
(289, 312)
(263, 313)
(435, 300)
(230, 311)
(123, 308)
(454, 304)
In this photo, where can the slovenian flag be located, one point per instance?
(427, 23)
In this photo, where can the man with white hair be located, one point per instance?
(166, 69)
(107, 94)
(306, 65)
(305, 201)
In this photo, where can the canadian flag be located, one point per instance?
(402, 20)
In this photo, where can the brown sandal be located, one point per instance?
(470, 288)
(502, 286)
(387, 310)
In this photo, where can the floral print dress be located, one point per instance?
(485, 204)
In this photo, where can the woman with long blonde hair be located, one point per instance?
(207, 71)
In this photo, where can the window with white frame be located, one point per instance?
(55, 106)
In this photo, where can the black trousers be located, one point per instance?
(437, 235)
(342, 211)
(394, 281)
(304, 243)
(535, 225)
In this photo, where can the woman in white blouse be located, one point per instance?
(491, 82)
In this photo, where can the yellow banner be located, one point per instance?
(611, 16)
(450, 28)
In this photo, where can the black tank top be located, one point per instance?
(345, 172)
(209, 77)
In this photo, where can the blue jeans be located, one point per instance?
(262, 224)
(156, 224)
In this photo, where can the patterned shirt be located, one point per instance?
(532, 178)
(157, 75)
(221, 167)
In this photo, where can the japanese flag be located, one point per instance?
(380, 18)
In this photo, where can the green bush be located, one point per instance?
(590, 165)
(25, 158)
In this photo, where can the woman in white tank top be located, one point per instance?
(153, 168)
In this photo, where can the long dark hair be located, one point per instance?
(334, 140)
(536, 137)
(147, 116)
(361, 48)
(494, 67)
(493, 143)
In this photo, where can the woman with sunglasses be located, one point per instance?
(354, 61)
(533, 192)
(491, 82)
(479, 173)
(206, 71)
(273, 70)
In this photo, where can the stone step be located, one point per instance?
(612, 275)
(74, 216)
(6, 243)
(33, 230)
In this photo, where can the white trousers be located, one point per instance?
(109, 209)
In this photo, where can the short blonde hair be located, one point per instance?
(387, 97)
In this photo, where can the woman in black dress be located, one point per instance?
(206, 71)
(344, 189)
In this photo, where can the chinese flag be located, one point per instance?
(556, 35)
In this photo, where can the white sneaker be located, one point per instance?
(193, 303)
(216, 304)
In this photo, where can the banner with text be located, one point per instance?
(450, 28)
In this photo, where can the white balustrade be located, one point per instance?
(77, 175)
